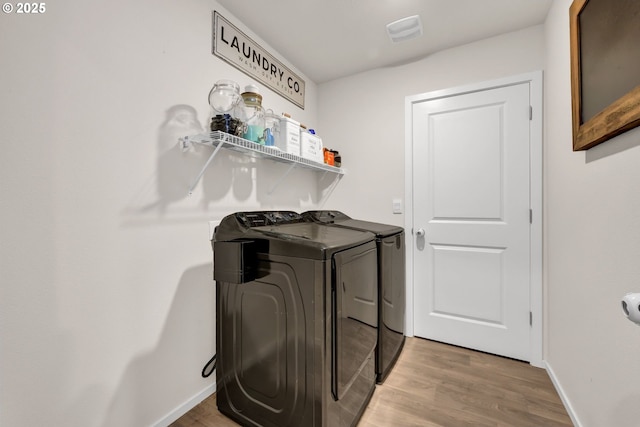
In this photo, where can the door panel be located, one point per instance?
(467, 190)
(471, 196)
(481, 282)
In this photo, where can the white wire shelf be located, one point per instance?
(218, 139)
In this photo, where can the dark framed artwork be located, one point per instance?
(605, 69)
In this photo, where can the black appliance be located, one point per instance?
(297, 313)
(391, 283)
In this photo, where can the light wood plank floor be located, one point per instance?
(435, 384)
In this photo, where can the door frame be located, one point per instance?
(534, 79)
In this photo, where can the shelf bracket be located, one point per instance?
(282, 178)
(184, 143)
(206, 165)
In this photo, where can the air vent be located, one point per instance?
(405, 29)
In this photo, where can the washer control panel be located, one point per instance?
(260, 219)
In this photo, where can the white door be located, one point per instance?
(471, 220)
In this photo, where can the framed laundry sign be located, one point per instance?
(605, 69)
(239, 50)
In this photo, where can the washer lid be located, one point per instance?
(287, 233)
(310, 240)
(337, 218)
(380, 230)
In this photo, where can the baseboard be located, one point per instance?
(563, 396)
(186, 406)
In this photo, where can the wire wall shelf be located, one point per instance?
(218, 139)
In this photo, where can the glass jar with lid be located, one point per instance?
(253, 115)
(224, 98)
(271, 127)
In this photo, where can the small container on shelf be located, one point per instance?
(288, 137)
(329, 157)
(253, 115)
(224, 96)
(271, 128)
(311, 146)
(337, 159)
(223, 99)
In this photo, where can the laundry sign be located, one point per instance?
(236, 48)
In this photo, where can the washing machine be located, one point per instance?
(296, 321)
(391, 283)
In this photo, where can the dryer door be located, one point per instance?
(354, 302)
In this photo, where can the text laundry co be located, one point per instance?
(261, 60)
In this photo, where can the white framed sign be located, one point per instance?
(239, 50)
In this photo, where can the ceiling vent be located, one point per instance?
(405, 29)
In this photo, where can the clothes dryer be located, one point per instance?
(391, 283)
(297, 313)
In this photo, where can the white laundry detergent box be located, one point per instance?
(288, 137)
(311, 147)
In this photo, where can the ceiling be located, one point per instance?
(329, 39)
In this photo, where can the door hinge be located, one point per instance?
(530, 216)
(530, 319)
(530, 112)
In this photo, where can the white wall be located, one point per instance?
(106, 296)
(363, 115)
(592, 247)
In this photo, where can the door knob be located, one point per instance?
(420, 232)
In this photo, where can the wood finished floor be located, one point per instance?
(435, 384)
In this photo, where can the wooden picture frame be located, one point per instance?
(605, 69)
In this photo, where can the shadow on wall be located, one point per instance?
(619, 144)
(136, 401)
(231, 179)
(188, 335)
(174, 166)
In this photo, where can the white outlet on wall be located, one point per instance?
(397, 206)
